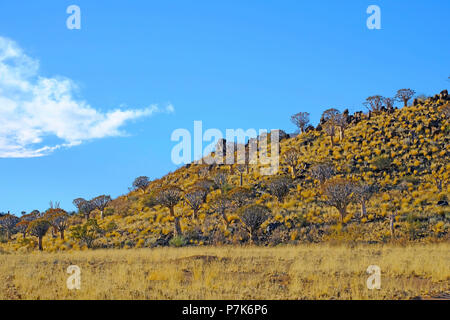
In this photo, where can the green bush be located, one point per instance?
(178, 241)
(86, 233)
(382, 162)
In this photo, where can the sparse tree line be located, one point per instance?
(240, 200)
(54, 219)
(236, 205)
(333, 121)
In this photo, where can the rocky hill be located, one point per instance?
(370, 177)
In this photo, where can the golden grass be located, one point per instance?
(302, 272)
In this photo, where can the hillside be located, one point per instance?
(381, 177)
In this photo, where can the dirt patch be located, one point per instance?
(207, 259)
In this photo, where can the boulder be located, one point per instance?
(442, 203)
(273, 226)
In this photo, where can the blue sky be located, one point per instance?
(232, 64)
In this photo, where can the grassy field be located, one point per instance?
(301, 272)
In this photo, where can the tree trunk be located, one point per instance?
(253, 237)
(241, 179)
(62, 234)
(341, 134)
(391, 225)
(40, 243)
(363, 209)
(332, 140)
(101, 215)
(343, 213)
(250, 236)
(177, 226)
(86, 216)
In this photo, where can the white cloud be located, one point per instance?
(35, 109)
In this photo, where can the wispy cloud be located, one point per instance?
(35, 110)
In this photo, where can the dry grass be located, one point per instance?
(301, 272)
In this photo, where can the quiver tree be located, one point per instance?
(341, 124)
(88, 207)
(389, 103)
(194, 198)
(240, 196)
(169, 197)
(79, 204)
(405, 95)
(300, 120)
(22, 227)
(141, 183)
(339, 193)
(205, 184)
(39, 228)
(290, 158)
(8, 222)
(220, 203)
(330, 120)
(363, 192)
(24, 222)
(100, 203)
(84, 207)
(322, 172)
(252, 217)
(220, 181)
(58, 219)
(374, 103)
(279, 187)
